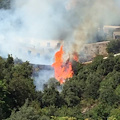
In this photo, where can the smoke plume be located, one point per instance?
(31, 29)
(30, 23)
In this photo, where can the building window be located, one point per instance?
(58, 45)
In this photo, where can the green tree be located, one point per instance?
(92, 86)
(106, 66)
(100, 112)
(51, 97)
(115, 114)
(26, 112)
(108, 96)
(7, 71)
(111, 80)
(20, 90)
(76, 66)
(52, 82)
(2, 67)
(4, 107)
(23, 70)
(65, 111)
(96, 62)
(72, 92)
(113, 46)
(117, 91)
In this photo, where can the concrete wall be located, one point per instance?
(90, 51)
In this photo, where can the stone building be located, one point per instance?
(89, 51)
(112, 32)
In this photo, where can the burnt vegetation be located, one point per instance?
(93, 92)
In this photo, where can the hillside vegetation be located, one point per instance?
(93, 93)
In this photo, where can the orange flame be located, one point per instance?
(63, 70)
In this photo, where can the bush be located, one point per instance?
(113, 46)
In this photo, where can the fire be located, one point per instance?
(75, 57)
(63, 70)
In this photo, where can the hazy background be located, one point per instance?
(31, 23)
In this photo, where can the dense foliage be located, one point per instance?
(92, 94)
(114, 46)
(16, 85)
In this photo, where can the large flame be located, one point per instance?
(63, 70)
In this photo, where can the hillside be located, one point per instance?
(71, 54)
(91, 94)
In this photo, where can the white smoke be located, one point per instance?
(29, 25)
(32, 22)
(43, 77)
